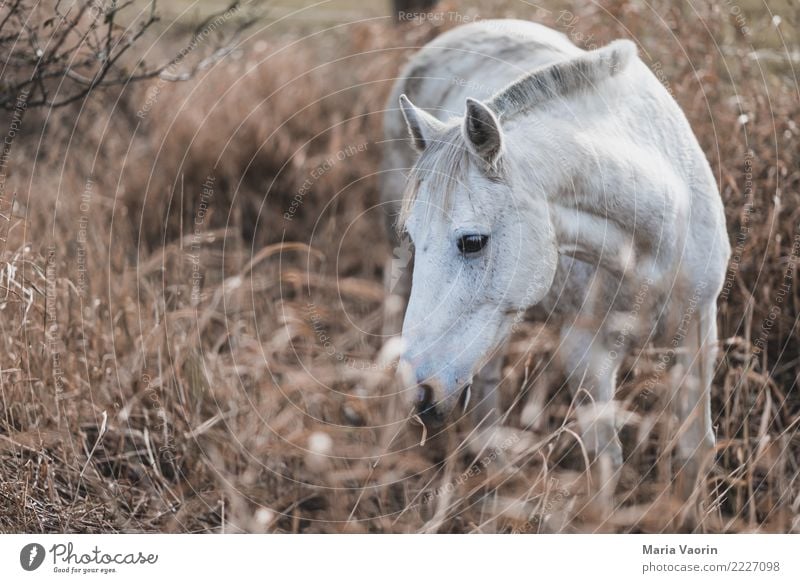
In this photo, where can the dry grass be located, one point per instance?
(174, 361)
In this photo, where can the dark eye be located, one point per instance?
(468, 244)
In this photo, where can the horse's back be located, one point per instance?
(475, 60)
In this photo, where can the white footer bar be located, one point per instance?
(408, 558)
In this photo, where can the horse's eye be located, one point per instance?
(468, 244)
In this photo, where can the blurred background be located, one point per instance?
(192, 278)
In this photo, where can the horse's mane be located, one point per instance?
(446, 158)
(442, 163)
(562, 78)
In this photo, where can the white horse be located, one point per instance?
(544, 175)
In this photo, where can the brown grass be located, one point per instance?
(261, 402)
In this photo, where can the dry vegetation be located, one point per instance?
(178, 356)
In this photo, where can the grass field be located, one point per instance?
(192, 295)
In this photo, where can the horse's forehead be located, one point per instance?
(448, 190)
(466, 205)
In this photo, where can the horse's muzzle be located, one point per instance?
(425, 406)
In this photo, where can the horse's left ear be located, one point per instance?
(422, 126)
(482, 131)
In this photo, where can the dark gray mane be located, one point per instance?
(563, 78)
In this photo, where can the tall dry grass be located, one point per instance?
(178, 355)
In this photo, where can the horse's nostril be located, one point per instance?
(424, 399)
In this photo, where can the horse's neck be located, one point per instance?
(611, 208)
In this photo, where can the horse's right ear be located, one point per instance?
(482, 131)
(421, 125)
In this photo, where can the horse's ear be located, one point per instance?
(421, 125)
(482, 131)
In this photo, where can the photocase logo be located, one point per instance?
(31, 556)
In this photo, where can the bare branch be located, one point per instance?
(60, 59)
